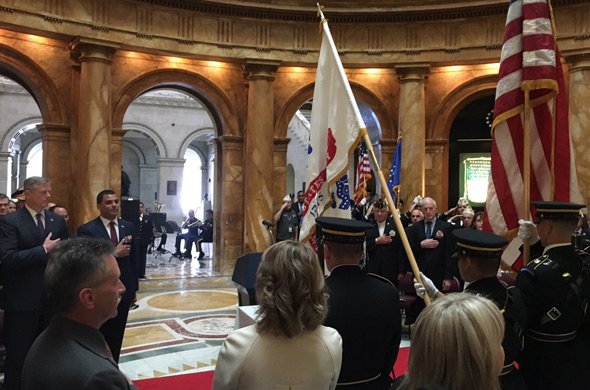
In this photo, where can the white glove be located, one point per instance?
(527, 230)
(363, 201)
(428, 287)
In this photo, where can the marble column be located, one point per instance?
(91, 159)
(56, 161)
(579, 116)
(258, 157)
(279, 172)
(229, 205)
(5, 172)
(412, 125)
(170, 171)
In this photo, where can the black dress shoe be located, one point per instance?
(201, 255)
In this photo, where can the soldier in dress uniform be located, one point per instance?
(363, 308)
(555, 288)
(479, 259)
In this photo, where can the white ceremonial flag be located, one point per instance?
(336, 129)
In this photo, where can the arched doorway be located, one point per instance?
(469, 148)
(21, 140)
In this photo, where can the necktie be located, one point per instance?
(113, 233)
(428, 229)
(40, 225)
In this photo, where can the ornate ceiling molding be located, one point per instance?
(376, 11)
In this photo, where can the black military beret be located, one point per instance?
(557, 210)
(348, 231)
(471, 242)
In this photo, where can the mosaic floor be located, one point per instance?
(185, 312)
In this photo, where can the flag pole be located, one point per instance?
(526, 161)
(398, 224)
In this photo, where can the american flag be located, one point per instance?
(529, 62)
(363, 174)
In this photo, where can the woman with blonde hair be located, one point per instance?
(457, 344)
(288, 347)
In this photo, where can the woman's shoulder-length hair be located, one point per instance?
(456, 344)
(290, 290)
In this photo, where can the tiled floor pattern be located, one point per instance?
(185, 312)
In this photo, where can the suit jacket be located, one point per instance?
(434, 263)
(384, 259)
(128, 264)
(23, 258)
(366, 312)
(248, 360)
(70, 355)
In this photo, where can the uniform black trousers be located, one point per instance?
(21, 328)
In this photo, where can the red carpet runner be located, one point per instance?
(203, 380)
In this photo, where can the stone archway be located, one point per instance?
(225, 114)
(361, 93)
(437, 151)
(28, 74)
(455, 101)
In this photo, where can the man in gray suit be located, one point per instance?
(82, 279)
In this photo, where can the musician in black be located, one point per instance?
(555, 288)
(192, 224)
(206, 234)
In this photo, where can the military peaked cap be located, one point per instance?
(347, 231)
(471, 242)
(557, 210)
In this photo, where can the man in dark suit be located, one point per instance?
(82, 279)
(145, 236)
(108, 226)
(26, 237)
(363, 308)
(556, 290)
(432, 243)
(383, 244)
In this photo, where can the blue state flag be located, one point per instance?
(393, 183)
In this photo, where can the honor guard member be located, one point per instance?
(363, 308)
(479, 260)
(555, 289)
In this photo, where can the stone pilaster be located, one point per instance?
(229, 204)
(436, 166)
(258, 156)
(5, 163)
(91, 159)
(116, 159)
(412, 125)
(579, 116)
(279, 171)
(170, 171)
(57, 160)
